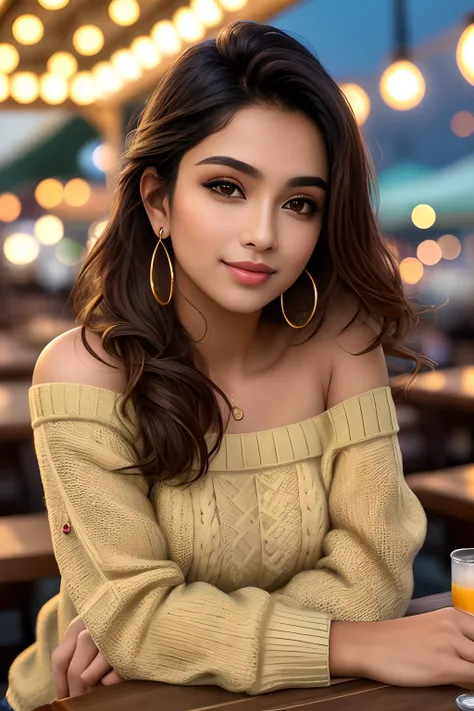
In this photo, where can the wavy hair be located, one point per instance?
(247, 64)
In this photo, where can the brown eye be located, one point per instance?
(303, 206)
(226, 188)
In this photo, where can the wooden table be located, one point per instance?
(351, 695)
(443, 389)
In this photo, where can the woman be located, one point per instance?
(218, 442)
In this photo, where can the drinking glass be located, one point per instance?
(462, 586)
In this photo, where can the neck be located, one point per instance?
(226, 341)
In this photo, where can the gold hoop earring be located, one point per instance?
(152, 267)
(312, 312)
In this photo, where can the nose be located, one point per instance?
(262, 234)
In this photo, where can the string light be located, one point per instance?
(233, 5)
(53, 89)
(63, 64)
(4, 87)
(145, 52)
(83, 89)
(166, 38)
(208, 11)
(24, 87)
(124, 12)
(429, 252)
(188, 25)
(126, 64)
(53, 4)
(9, 58)
(107, 78)
(77, 192)
(402, 85)
(28, 29)
(88, 40)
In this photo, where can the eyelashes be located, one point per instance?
(215, 185)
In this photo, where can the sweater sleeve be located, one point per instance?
(135, 602)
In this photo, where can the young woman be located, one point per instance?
(218, 441)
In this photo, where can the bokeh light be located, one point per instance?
(107, 78)
(465, 54)
(9, 58)
(233, 5)
(126, 65)
(83, 89)
(49, 193)
(423, 216)
(88, 40)
(53, 89)
(124, 12)
(4, 87)
(63, 64)
(166, 38)
(49, 229)
(208, 11)
(24, 87)
(10, 207)
(21, 248)
(105, 157)
(450, 246)
(429, 252)
(411, 270)
(27, 29)
(69, 252)
(53, 4)
(402, 86)
(77, 192)
(462, 124)
(188, 25)
(145, 52)
(358, 100)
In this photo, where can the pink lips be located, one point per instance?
(250, 273)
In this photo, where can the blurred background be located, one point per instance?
(74, 74)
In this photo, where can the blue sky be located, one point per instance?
(356, 36)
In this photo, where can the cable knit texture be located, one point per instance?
(233, 581)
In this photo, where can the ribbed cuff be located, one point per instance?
(294, 649)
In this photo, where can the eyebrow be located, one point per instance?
(252, 172)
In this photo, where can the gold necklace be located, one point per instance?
(237, 412)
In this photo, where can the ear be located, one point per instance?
(156, 206)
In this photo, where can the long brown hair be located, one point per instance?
(248, 63)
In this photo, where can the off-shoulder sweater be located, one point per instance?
(235, 579)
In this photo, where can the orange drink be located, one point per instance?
(462, 576)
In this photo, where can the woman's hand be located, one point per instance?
(78, 664)
(432, 649)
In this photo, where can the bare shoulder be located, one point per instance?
(352, 372)
(66, 360)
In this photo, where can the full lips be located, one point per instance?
(244, 276)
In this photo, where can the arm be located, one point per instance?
(136, 605)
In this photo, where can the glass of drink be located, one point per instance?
(462, 579)
(462, 586)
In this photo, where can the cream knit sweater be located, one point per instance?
(233, 581)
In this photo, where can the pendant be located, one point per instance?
(237, 413)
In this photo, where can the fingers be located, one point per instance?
(95, 672)
(84, 654)
(465, 623)
(112, 678)
(61, 658)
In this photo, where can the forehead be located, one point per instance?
(279, 143)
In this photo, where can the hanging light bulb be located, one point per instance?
(4, 87)
(53, 4)
(465, 52)
(28, 29)
(124, 12)
(53, 89)
(402, 85)
(358, 100)
(24, 87)
(88, 40)
(208, 11)
(63, 64)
